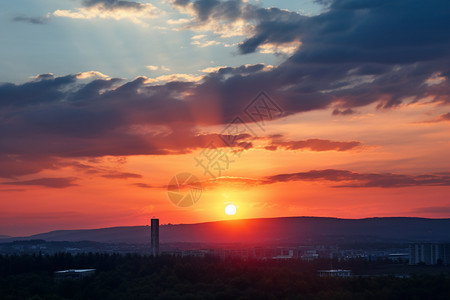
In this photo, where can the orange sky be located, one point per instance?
(395, 141)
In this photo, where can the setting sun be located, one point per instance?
(230, 209)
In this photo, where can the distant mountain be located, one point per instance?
(303, 230)
(2, 236)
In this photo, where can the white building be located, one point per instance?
(74, 274)
(335, 273)
(429, 253)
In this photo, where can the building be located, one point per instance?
(286, 253)
(196, 253)
(310, 255)
(74, 274)
(429, 253)
(154, 227)
(335, 273)
(398, 257)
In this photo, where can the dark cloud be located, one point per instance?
(181, 2)
(441, 118)
(313, 145)
(143, 185)
(121, 175)
(45, 88)
(359, 52)
(343, 179)
(15, 165)
(446, 117)
(114, 4)
(353, 54)
(359, 180)
(46, 182)
(345, 112)
(32, 20)
(214, 9)
(397, 31)
(50, 119)
(241, 70)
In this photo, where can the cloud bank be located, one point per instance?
(343, 178)
(355, 53)
(110, 9)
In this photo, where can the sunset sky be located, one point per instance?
(335, 108)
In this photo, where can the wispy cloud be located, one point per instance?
(86, 114)
(441, 118)
(33, 20)
(57, 183)
(111, 9)
(313, 145)
(341, 179)
(174, 77)
(360, 180)
(121, 175)
(145, 185)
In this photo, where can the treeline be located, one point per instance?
(143, 277)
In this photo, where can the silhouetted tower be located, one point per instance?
(154, 227)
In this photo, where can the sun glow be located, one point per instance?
(230, 209)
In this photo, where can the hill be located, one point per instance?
(302, 230)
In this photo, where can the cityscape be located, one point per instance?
(416, 253)
(224, 149)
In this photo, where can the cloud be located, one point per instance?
(24, 163)
(205, 43)
(212, 9)
(174, 77)
(91, 74)
(33, 20)
(57, 183)
(50, 119)
(355, 53)
(212, 69)
(221, 17)
(99, 167)
(152, 68)
(178, 21)
(155, 68)
(202, 40)
(285, 48)
(144, 185)
(352, 54)
(344, 112)
(313, 145)
(413, 27)
(441, 118)
(121, 175)
(232, 181)
(360, 180)
(111, 9)
(339, 179)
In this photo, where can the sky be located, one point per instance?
(113, 112)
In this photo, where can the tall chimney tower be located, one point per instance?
(154, 227)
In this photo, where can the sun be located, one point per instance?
(230, 209)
